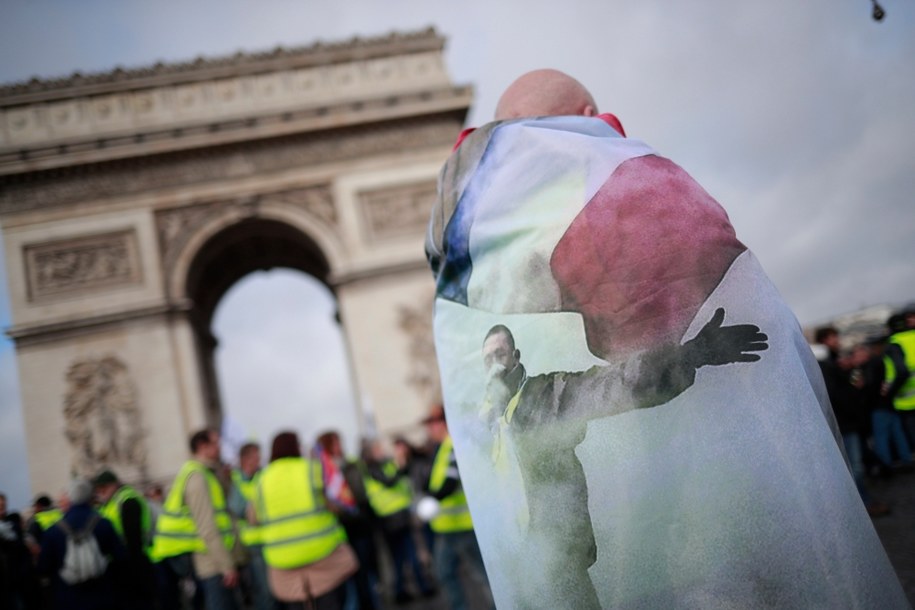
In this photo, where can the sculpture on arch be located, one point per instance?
(102, 419)
(416, 322)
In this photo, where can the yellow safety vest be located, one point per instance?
(250, 534)
(112, 511)
(454, 514)
(176, 532)
(49, 517)
(297, 529)
(905, 398)
(386, 500)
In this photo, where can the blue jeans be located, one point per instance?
(855, 454)
(217, 596)
(403, 553)
(257, 577)
(888, 427)
(451, 550)
(361, 588)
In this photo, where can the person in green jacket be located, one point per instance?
(455, 541)
(128, 512)
(391, 497)
(899, 363)
(195, 524)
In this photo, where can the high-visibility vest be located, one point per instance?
(454, 514)
(905, 398)
(250, 535)
(49, 517)
(112, 511)
(386, 501)
(176, 532)
(297, 528)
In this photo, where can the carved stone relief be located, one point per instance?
(316, 200)
(416, 322)
(103, 424)
(397, 211)
(76, 265)
(177, 225)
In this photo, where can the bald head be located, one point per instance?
(545, 93)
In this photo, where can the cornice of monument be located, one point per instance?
(29, 334)
(82, 151)
(218, 102)
(201, 69)
(98, 182)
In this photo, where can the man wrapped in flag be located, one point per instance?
(623, 283)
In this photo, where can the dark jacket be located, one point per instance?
(97, 594)
(845, 398)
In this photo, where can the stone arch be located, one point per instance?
(119, 236)
(236, 242)
(322, 236)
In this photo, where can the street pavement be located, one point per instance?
(897, 530)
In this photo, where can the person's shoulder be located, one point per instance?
(102, 523)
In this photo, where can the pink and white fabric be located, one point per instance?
(594, 251)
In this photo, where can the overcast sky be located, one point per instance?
(798, 116)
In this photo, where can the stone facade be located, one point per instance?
(131, 201)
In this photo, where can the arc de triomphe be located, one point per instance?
(131, 201)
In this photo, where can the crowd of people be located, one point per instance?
(308, 529)
(871, 387)
(311, 528)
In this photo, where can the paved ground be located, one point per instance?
(897, 530)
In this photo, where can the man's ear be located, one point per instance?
(589, 110)
(517, 355)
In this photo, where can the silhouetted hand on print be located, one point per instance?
(716, 344)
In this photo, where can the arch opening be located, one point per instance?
(245, 283)
(281, 361)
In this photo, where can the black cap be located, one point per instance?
(896, 323)
(105, 477)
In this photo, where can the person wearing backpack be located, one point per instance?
(79, 553)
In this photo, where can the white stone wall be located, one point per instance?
(165, 382)
(372, 312)
(90, 264)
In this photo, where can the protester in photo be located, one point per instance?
(18, 586)
(308, 559)
(128, 511)
(345, 489)
(899, 363)
(100, 592)
(391, 497)
(241, 498)
(195, 535)
(455, 542)
(849, 411)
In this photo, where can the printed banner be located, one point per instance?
(638, 420)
